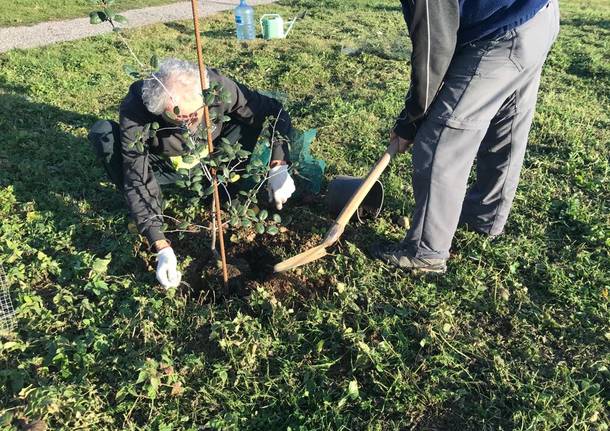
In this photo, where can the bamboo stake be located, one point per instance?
(206, 117)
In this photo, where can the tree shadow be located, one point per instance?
(48, 161)
(179, 27)
(385, 8)
(579, 22)
(184, 30)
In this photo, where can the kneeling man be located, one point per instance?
(140, 170)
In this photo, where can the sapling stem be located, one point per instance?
(206, 118)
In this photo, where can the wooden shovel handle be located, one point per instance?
(366, 186)
(337, 229)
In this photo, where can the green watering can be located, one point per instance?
(273, 26)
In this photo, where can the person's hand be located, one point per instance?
(167, 268)
(403, 144)
(280, 186)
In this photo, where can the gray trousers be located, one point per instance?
(484, 110)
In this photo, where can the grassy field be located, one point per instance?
(23, 12)
(514, 336)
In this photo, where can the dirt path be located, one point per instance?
(59, 31)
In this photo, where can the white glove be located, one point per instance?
(167, 268)
(281, 185)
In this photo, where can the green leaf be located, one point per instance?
(246, 223)
(119, 19)
(129, 70)
(100, 266)
(209, 99)
(272, 230)
(152, 388)
(225, 96)
(353, 390)
(202, 151)
(97, 17)
(142, 376)
(109, 13)
(277, 218)
(260, 228)
(197, 187)
(154, 60)
(188, 159)
(263, 215)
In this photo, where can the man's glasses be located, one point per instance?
(187, 118)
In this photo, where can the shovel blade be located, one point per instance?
(301, 259)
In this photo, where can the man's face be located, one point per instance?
(186, 109)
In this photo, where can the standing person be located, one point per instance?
(138, 172)
(476, 68)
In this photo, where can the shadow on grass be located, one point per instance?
(47, 163)
(221, 33)
(594, 22)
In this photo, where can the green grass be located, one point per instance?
(24, 12)
(514, 336)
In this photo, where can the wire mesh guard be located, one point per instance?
(7, 312)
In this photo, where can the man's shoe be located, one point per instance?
(397, 255)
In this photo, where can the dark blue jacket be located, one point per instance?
(480, 19)
(437, 28)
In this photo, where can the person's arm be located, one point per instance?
(141, 190)
(253, 108)
(433, 27)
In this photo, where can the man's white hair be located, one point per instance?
(164, 87)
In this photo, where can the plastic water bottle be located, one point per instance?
(244, 21)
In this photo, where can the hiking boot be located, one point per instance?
(397, 255)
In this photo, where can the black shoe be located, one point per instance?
(397, 255)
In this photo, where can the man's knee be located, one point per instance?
(104, 138)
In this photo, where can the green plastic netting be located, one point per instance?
(307, 171)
